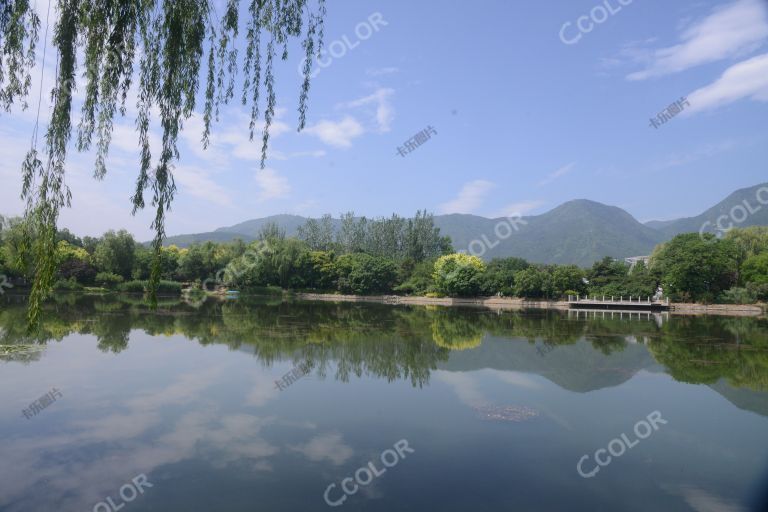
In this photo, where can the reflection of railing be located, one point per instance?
(608, 314)
(611, 303)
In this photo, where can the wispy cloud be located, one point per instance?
(469, 199)
(728, 31)
(338, 134)
(748, 79)
(271, 185)
(518, 209)
(384, 113)
(557, 174)
(197, 182)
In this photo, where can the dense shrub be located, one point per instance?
(67, 285)
(365, 274)
(738, 296)
(169, 288)
(108, 279)
(133, 286)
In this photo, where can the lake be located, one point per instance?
(260, 404)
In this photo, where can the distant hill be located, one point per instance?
(251, 228)
(577, 232)
(212, 236)
(744, 201)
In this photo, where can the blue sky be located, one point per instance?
(524, 121)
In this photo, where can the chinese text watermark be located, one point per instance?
(293, 375)
(416, 141)
(668, 113)
(41, 403)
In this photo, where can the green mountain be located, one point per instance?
(251, 228)
(577, 232)
(212, 236)
(744, 208)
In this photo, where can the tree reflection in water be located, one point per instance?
(399, 343)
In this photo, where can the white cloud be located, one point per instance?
(729, 31)
(748, 79)
(465, 387)
(279, 155)
(329, 447)
(518, 209)
(470, 197)
(272, 185)
(557, 174)
(338, 134)
(516, 379)
(385, 113)
(196, 182)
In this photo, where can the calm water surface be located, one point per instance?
(497, 409)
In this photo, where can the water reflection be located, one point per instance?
(495, 403)
(408, 343)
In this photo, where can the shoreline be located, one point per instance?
(514, 304)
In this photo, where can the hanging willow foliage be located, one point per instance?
(164, 42)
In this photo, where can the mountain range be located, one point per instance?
(577, 232)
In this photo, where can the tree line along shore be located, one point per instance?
(394, 256)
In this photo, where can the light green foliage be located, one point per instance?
(108, 279)
(755, 269)
(749, 241)
(459, 274)
(65, 252)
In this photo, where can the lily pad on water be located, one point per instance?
(19, 350)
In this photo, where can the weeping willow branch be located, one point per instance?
(164, 42)
(19, 26)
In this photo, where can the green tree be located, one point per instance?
(318, 234)
(499, 276)
(364, 274)
(696, 267)
(115, 253)
(459, 274)
(567, 278)
(17, 259)
(755, 269)
(532, 283)
(749, 241)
